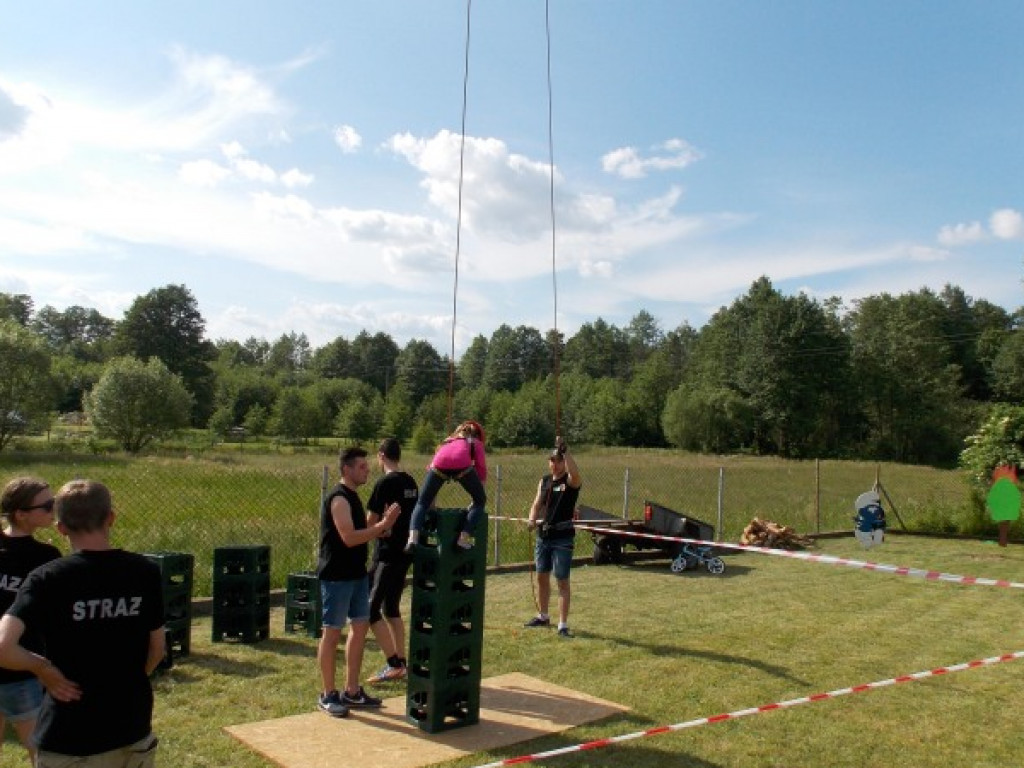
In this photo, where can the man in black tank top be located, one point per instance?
(552, 514)
(344, 587)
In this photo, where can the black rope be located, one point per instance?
(458, 223)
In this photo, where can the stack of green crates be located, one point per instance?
(241, 594)
(302, 612)
(176, 569)
(446, 625)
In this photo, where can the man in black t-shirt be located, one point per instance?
(344, 588)
(390, 561)
(99, 613)
(27, 506)
(552, 515)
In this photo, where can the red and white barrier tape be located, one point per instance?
(754, 710)
(830, 559)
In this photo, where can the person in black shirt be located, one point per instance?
(344, 588)
(390, 561)
(99, 614)
(27, 506)
(552, 515)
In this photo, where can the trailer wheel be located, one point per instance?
(716, 565)
(607, 549)
(678, 564)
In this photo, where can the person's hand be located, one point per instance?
(531, 525)
(560, 444)
(390, 516)
(57, 685)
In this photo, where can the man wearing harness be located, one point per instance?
(552, 515)
(344, 587)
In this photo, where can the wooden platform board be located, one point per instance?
(513, 708)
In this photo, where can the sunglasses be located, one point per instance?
(47, 505)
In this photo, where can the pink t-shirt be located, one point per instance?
(454, 455)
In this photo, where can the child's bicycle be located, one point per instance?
(691, 556)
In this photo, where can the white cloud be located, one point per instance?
(13, 116)
(961, 234)
(295, 178)
(255, 171)
(1007, 224)
(203, 173)
(346, 137)
(627, 162)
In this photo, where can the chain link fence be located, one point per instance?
(195, 506)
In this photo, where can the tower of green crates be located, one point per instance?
(241, 594)
(176, 571)
(446, 625)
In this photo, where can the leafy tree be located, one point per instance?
(166, 324)
(82, 333)
(221, 421)
(25, 386)
(72, 379)
(472, 363)
(256, 420)
(289, 419)
(334, 360)
(515, 356)
(425, 439)
(643, 335)
(398, 415)
(359, 420)
(16, 307)
(374, 359)
(529, 418)
(910, 389)
(707, 420)
(966, 326)
(421, 371)
(599, 350)
(999, 440)
(289, 355)
(136, 403)
(1007, 368)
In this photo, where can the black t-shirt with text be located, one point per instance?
(94, 612)
(19, 556)
(394, 487)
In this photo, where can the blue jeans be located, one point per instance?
(431, 486)
(341, 600)
(20, 700)
(554, 554)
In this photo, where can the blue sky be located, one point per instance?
(296, 165)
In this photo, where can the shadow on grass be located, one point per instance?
(626, 753)
(732, 570)
(658, 649)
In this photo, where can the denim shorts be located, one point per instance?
(21, 700)
(345, 599)
(554, 554)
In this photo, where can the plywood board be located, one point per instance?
(513, 708)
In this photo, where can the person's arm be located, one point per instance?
(14, 656)
(341, 514)
(575, 479)
(157, 649)
(536, 509)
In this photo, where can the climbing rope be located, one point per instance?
(458, 222)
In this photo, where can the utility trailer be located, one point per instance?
(658, 519)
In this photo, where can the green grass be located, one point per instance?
(228, 498)
(679, 647)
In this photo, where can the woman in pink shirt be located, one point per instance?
(460, 458)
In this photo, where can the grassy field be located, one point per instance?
(232, 497)
(678, 647)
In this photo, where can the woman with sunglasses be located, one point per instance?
(26, 505)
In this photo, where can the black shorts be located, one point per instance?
(387, 581)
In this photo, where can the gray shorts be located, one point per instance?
(141, 754)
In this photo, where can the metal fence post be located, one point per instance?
(497, 521)
(817, 496)
(625, 496)
(721, 496)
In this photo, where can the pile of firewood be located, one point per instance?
(765, 533)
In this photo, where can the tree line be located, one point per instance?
(904, 378)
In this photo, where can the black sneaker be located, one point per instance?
(330, 703)
(537, 621)
(564, 632)
(359, 699)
